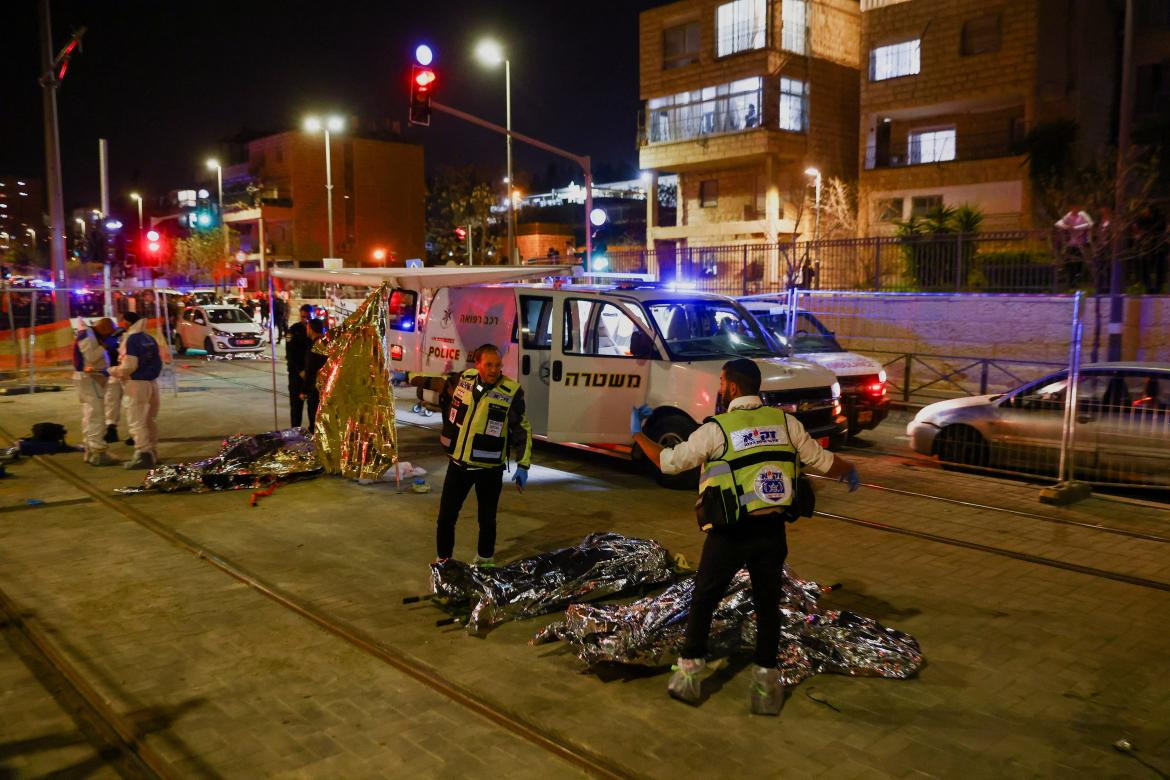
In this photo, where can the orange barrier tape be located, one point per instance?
(54, 344)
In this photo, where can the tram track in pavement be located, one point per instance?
(122, 735)
(583, 758)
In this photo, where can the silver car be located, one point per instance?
(1122, 432)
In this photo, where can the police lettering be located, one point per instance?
(593, 379)
(443, 353)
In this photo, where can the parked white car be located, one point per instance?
(218, 330)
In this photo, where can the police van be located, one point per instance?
(586, 354)
(864, 389)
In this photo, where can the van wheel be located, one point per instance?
(180, 347)
(961, 445)
(669, 431)
(208, 347)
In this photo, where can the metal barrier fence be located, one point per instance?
(1008, 412)
(35, 347)
(1017, 261)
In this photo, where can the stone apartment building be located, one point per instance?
(949, 91)
(739, 99)
(378, 198)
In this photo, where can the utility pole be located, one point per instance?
(104, 177)
(1116, 272)
(49, 80)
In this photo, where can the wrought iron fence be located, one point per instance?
(1014, 261)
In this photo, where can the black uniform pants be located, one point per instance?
(296, 404)
(312, 400)
(761, 545)
(488, 484)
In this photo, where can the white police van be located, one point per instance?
(586, 354)
(864, 389)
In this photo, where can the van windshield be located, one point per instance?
(809, 334)
(708, 330)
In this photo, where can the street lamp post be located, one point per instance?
(816, 174)
(335, 124)
(134, 196)
(213, 164)
(491, 54)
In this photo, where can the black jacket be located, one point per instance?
(296, 347)
(314, 362)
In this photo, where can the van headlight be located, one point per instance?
(836, 390)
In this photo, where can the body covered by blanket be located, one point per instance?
(243, 461)
(649, 632)
(604, 564)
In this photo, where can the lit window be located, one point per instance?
(794, 18)
(725, 108)
(898, 59)
(928, 146)
(793, 105)
(740, 26)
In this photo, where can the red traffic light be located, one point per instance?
(424, 78)
(461, 232)
(422, 84)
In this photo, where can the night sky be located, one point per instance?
(165, 81)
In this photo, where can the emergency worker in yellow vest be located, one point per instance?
(751, 457)
(485, 416)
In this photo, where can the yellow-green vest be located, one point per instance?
(476, 434)
(759, 465)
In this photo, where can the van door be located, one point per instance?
(534, 318)
(600, 370)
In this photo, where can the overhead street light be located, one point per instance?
(213, 164)
(490, 53)
(330, 124)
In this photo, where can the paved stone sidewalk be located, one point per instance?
(1031, 670)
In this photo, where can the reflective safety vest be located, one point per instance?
(476, 433)
(759, 465)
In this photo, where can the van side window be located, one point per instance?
(536, 322)
(602, 329)
(400, 310)
(577, 315)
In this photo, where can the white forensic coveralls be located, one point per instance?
(91, 391)
(140, 396)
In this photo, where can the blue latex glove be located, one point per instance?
(520, 478)
(638, 416)
(851, 478)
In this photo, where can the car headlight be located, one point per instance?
(836, 390)
(220, 333)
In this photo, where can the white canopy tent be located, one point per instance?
(415, 279)
(418, 278)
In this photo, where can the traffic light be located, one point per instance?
(153, 247)
(461, 232)
(422, 84)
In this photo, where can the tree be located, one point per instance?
(199, 254)
(931, 261)
(460, 198)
